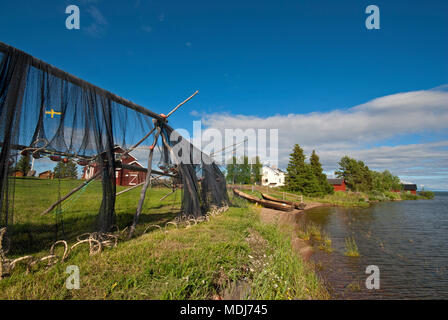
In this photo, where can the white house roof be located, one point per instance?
(276, 171)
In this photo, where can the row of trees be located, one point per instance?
(62, 170)
(306, 178)
(244, 172)
(359, 177)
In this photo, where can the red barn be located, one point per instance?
(338, 184)
(123, 177)
(411, 188)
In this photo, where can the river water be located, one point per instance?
(407, 240)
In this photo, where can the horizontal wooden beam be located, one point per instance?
(46, 67)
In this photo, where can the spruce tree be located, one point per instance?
(23, 165)
(256, 170)
(296, 170)
(316, 168)
(66, 170)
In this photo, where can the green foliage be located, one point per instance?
(296, 170)
(66, 170)
(316, 168)
(304, 178)
(359, 177)
(392, 195)
(356, 174)
(351, 248)
(408, 196)
(257, 168)
(240, 171)
(426, 194)
(199, 262)
(24, 164)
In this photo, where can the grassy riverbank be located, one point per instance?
(234, 255)
(340, 198)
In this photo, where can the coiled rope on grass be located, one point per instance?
(96, 241)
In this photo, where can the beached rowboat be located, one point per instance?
(265, 203)
(297, 205)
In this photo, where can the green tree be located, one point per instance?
(356, 174)
(239, 172)
(297, 171)
(257, 170)
(231, 170)
(66, 170)
(24, 165)
(244, 171)
(316, 168)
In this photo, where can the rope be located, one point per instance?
(96, 241)
(68, 203)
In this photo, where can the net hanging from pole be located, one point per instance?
(46, 112)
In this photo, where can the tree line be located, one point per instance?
(244, 172)
(62, 170)
(358, 177)
(309, 179)
(306, 178)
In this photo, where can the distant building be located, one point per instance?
(17, 173)
(409, 188)
(123, 177)
(46, 175)
(272, 177)
(338, 184)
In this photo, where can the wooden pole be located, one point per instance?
(182, 103)
(129, 189)
(141, 140)
(165, 196)
(145, 185)
(71, 193)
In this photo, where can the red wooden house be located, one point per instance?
(409, 188)
(338, 184)
(123, 177)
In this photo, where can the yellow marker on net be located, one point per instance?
(52, 112)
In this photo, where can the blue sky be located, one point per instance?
(287, 62)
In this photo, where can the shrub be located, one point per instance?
(351, 248)
(426, 194)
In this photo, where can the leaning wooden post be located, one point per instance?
(68, 195)
(146, 185)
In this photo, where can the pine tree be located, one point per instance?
(316, 168)
(256, 170)
(296, 170)
(245, 171)
(66, 170)
(23, 165)
(231, 171)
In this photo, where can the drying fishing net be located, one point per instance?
(47, 113)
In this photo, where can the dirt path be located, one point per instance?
(288, 221)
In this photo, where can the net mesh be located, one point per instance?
(47, 112)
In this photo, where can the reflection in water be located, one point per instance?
(405, 239)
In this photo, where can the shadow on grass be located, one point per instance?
(29, 238)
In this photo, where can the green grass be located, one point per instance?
(351, 248)
(199, 262)
(426, 194)
(32, 231)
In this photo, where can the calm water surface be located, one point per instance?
(407, 240)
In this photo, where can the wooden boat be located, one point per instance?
(265, 203)
(296, 205)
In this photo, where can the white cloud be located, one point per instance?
(352, 131)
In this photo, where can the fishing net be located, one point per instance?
(47, 113)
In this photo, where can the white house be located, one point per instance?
(272, 177)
